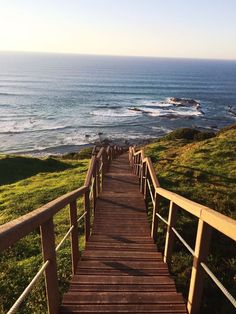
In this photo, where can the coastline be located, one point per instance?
(68, 149)
(62, 150)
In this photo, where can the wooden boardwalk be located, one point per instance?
(121, 270)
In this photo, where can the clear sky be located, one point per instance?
(161, 28)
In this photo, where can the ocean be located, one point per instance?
(57, 103)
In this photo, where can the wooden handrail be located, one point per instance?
(90, 171)
(216, 220)
(18, 228)
(101, 151)
(42, 217)
(207, 219)
(152, 172)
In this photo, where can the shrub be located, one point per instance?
(189, 134)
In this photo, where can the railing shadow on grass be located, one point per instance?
(24, 167)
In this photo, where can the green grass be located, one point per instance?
(200, 166)
(26, 184)
(203, 170)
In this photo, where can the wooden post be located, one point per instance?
(197, 277)
(102, 171)
(104, 167)
(134, 162)
(74, 236)
(49, 253)
(145, 185)
(154, 217)
(95, 187)
(105, 163)
(141, 178)
(87, 217)
(139, 166)
(172, 218)
(136, 165)
(98, 165)
(111, 154)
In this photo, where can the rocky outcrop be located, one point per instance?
(184, 102)
(137, 110)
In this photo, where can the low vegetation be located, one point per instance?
(202, 167)
(197, 165)
(26, 184)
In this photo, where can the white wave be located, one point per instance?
(162, 129)
(29, 125)
(156, 104)
(123, 112)
(182, 112)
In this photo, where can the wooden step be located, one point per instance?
(122, 298)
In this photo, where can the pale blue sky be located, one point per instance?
(165, 28)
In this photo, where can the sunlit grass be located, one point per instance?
(38, 182)
(203, 170)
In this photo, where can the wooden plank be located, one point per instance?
(74, 236)
(222, 223)
(197, 277)
(49, 254)
(121, 264)
(190, 206)
(152, 173)
(124, 308)
(121, 288)
(106, 253)
(154, 217)
(144, 280)
(172, 218)
(123, 298)
(87, 217)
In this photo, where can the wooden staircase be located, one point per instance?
(120, 269)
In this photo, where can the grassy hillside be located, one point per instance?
(25, 184)
(202, 167)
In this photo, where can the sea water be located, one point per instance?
(56, 103)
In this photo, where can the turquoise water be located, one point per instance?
(54, 103)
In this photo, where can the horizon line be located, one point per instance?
(114, 55)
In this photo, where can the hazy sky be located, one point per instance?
(162, 28)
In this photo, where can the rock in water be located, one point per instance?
(184, 102)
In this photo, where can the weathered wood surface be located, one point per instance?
(121, 270)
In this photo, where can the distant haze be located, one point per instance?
(169, 28)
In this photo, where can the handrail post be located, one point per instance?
(145, 182)
(95, 186)
(142, 178)
(139, 165)
(154, 217)
(172, 218)
(110, 154)
(87, 217)
(104, 164)
(98, 165)
(132, 159)
(135, 164)
(197, 276)
(74, 236)
(49, 254)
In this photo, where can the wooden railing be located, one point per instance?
(42, 217)
(208, 219)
